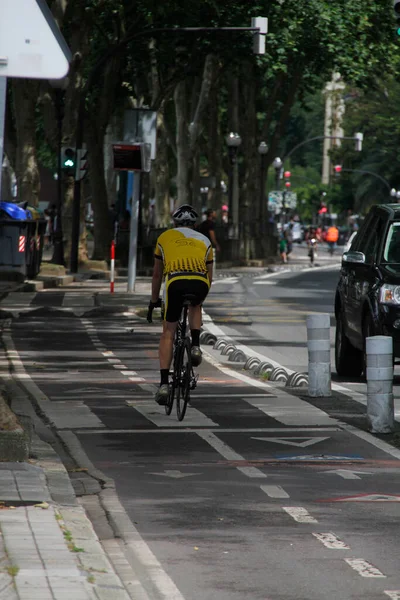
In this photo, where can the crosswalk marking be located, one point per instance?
(299, 514)
(274, 491)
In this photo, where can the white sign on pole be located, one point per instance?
(31, 44)
(140, 125)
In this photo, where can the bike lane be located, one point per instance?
(256, 492)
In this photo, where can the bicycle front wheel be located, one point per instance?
(185, 370)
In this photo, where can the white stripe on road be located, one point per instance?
(364, 568)
(156, 414)
(227, 452)
(274, 491)
(393, 594)
(331, 541)
(299, 514)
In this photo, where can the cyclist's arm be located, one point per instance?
(157, 278)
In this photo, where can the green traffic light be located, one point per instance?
(69, 163)
(398, 31)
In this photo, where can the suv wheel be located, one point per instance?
(348, 360)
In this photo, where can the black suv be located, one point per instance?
(367, 298)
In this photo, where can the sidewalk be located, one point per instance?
(48, 547)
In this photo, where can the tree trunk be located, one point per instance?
(182, 142)
(215, 197)
(25, 94)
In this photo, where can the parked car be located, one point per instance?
(367, 300)
(347, 245)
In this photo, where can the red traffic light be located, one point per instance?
(288, 184)
(287, 174)
(338, 168)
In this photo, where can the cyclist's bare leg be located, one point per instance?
(165, 349)
(195, 326)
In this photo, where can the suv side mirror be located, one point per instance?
(353, 257)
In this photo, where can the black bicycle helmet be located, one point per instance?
(185, 216)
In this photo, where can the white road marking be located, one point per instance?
(364, 568)
(186, 430)
(156, 414)
(289, 441)
(274, 491)
(384, 446)
(291, 410)
(134, 379)
(108, 353)
(299, 514)
(331, 541)
(174, 474)
(228, 453)
(347, 474)
(229, 280)
(227, 395)
(113, 360)
(393, 594)
(264, 282)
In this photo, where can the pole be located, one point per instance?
(263, 207)
(76, 207)
(58, 250)
(380, 403)
(112, 266)
(133, 238)
(319, 355)
(230, 200)
(3, 97)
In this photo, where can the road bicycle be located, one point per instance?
(182, 377)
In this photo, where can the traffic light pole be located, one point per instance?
(76, 207)
(133, 237)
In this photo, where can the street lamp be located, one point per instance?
(59, 86)
(233, 141)
(277, 164)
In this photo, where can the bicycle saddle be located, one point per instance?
(188, 298)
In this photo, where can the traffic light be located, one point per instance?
(68, 160)
(338, 169)
(287, 175)
(396, 9)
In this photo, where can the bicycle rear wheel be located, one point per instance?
(185, 371)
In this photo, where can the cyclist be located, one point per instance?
(184, 258)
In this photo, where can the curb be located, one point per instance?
(256, 368)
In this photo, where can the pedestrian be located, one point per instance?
(288, 234)
(283, 249)
(332, 236)
(207, 228)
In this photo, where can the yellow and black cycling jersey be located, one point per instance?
(184, 251)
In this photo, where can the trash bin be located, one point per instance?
(21, 241)
(36, 231)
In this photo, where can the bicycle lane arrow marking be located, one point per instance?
(290, 441)
(175, 474)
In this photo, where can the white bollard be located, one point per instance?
(380, 403)
(319, 355)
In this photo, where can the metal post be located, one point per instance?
(380, 403)
(263, 207)
(230, 200)
(133, 238)
(319, 355)
(3, 97)
(58, 250)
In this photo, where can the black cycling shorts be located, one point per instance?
(175, 292)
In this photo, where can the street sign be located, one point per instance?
(31, 44)
(276, 199)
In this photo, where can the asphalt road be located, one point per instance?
(257, 493)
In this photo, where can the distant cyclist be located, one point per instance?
(184, 257)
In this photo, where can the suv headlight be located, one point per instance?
(390, 294)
